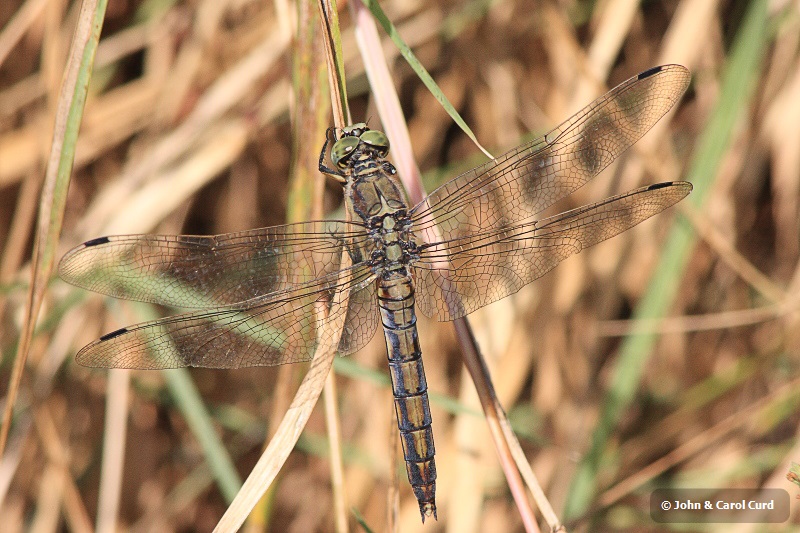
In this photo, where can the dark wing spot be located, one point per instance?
(589, 153)
(534, 177)
(117, 333)
(96, 242)
(650, 72)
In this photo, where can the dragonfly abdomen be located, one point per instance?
(396, 302)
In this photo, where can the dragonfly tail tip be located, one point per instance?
(427, 509)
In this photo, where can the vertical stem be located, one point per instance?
(494, 412)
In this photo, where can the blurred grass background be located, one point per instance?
(193, 116)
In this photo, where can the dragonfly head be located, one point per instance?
(355, 137)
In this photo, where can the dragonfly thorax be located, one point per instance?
(394, 246)
(374, 190)
(374, 194)
(379, 199)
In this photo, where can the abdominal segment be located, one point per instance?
(396, 302)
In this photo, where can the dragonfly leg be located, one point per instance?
(325, 169)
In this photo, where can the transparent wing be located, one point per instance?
(283, 327)
(210, 271)
(523, 182)
(457, 276)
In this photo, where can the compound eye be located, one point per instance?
(342, 150)
(354, 130)
(377, 140)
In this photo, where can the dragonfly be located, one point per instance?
(253, 298)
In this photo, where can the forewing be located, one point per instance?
(284, 327)
(523, 182)
(211, 271)
(457, 276)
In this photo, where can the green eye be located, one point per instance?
(342, 150)
(376, 139)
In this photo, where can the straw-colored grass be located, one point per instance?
(665, 357)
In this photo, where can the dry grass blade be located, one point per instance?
(306, 197)
(113, 450)
(306, 187)
(331, 38)
(335, 446)
(329, 15)
(72, 98)
(529, 476)
(496, 418)
(386, 100)
(289, 430)
(56, 455)
(716, 321)
(307, 394)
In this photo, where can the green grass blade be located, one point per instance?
(338, 58)
(740, 74)
(188, 399)
(53, 199)
(421, 72)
